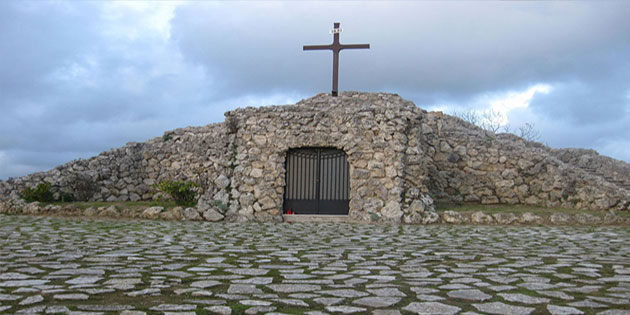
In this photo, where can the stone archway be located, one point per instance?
(317, 181)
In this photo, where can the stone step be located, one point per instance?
(317, 218)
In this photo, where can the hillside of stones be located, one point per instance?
(129, 173)
(442, 156)
(474, 165)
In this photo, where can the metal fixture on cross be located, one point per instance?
(336, 47)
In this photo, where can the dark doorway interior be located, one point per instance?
(317, 181)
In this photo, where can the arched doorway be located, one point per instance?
(317, 181)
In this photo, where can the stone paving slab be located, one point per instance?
(57, 265)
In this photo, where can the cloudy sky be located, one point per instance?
(78, 77)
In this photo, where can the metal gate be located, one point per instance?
(317, 181)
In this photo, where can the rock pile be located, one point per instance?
(401, 158)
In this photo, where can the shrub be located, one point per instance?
(40, 193)
(66, 197)
(167, 136)
(183, 193)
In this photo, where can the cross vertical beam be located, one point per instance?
(336, 47)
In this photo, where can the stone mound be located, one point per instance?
(400, 159)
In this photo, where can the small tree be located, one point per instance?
(40, 193)
(488, 120)
(491, 120)
(183, 193)
(528, 132)
(470, 116)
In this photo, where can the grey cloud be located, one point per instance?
(449, 51)
(34, 40)
(592, 103)
(68, 90)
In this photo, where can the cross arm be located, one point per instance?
(355, 46)
(317, 47)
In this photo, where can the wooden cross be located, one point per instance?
(336, 47)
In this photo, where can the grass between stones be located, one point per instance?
(448, 252)
(132, 205)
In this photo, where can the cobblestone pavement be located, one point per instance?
(55, 265)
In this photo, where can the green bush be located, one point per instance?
(167, 136)
(66, 197)
(183, 193)
(40, 193)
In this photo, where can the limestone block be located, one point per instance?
(373, 205)
(222, 181)
(221, 196)
(257, 207)
(505, 218)
(152, 212)
(489, 200)
(360, 174)
(110, 211)
(428, 202)
(524, 164)
(111, 198)
(445, 147)
(212, 215)
(509, 173)
(167, 215)
(479, 217)
(246, 199)
(246, 211)
(584, 218)
(460, 150)
(416, 206)
(378, 157)
(177, 213)
(560, 218)
(604, 203)
(414, 193)
(430, 217)
(412, 218)
(612, 218)
(256, 173)
(530, 218)
(504, 184)
(267, 203)
(450, 216)
(90, 212)
(392, 211)
(391, 172)
(191, 214)
(32, 208)
(510, 198)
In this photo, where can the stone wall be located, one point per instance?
(400, 157)
(129, 173)
(370, 128)
(612, 170)
(466, 163)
